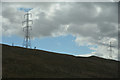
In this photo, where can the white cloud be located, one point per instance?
(86, 55)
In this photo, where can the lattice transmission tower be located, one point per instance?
(110, 49)
(26, 29)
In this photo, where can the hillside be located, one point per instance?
(18, 62)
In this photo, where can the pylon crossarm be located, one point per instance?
(23, 22)
(26, 15)
(24, 28)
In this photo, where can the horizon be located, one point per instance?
(82, 56)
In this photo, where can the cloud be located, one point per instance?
(92, 23)
(86, 55)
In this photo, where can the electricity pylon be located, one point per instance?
(110, 49)
(26, 29)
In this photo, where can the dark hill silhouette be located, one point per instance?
(18, 62)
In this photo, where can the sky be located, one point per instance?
(75, 28)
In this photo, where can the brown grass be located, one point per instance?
(20, 62)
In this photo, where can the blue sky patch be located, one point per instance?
(61, 44)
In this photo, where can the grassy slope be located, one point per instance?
(28, 63)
